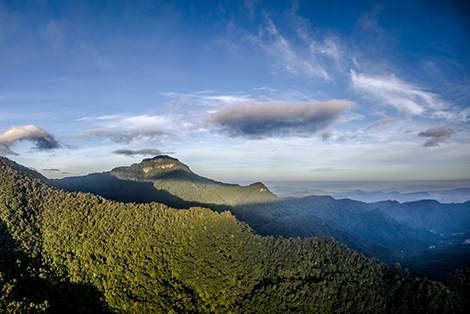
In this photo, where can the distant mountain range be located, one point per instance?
(388, 230)
(458, 195)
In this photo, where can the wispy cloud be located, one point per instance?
(368, 21)
(330, 48)
(328, 135)
(127, 122)
(381, 122)
(285, 58)
(462, 115)
(144, 151)
(324, 47)
(42, 139)
(125, 136)
(208, 98)
(55, 35)
(277, 119)
(391, 91)
(436, 135)
(264, 89)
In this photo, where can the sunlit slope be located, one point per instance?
(76, 252)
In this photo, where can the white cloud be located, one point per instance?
(128, 122)
(207, 98)
(229, 99)
(264, 89)
(455, 115)
(391, 91)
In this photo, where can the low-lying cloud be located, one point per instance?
(123, 136)
(436, 135)
(381, 122)
(277, 119)
(144, 152)
(41, 139)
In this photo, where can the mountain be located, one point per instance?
(67, 252)
(167, 180)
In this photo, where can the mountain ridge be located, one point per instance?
(456, 195)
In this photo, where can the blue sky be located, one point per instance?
(239, 90)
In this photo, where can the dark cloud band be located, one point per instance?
(144, 151)
(276, 119)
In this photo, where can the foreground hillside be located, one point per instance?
(79, 253)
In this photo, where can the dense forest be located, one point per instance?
(65, 252)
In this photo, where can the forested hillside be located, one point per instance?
(80, 253)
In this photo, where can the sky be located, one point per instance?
(239, 90)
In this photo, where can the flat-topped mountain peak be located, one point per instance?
(150, 169)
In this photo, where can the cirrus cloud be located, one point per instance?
(391, 91)
(42, 139)
(277, 119)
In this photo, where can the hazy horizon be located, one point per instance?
(342, 186)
